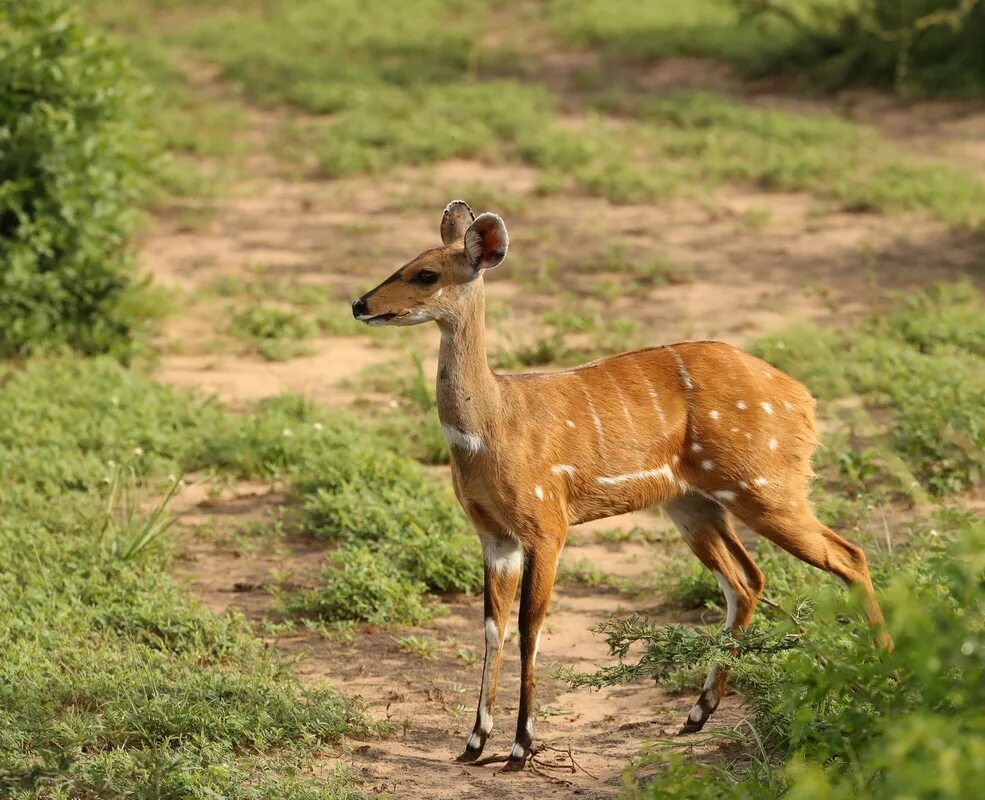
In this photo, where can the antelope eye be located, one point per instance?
(425, 277)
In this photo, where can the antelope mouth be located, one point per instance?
(377, 319)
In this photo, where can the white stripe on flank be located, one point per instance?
(682, 369)
(463, 440)
(664, 472)
(595, 417)
(565, 469)
(655, 401)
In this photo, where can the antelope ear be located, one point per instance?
(455, 221)
(486, 242)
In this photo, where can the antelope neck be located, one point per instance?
(467, 391)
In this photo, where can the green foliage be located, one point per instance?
(830, 714)
(276, 333)
(711, 138)
(925, 46)
(400, 534)
(114, 682)
(923, 363)
(71, 163)
(668, 28)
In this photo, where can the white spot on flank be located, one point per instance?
(774, 443)
(744, 486)
(662, 472)
(760, 481)
(569, 423)
(501, 553)
(724, 495)
(766, 407)
(788, 405)
(676, 459)
(565, 469)
(695, 448)
(768, 374)
(736, 430)
(748, 435)
(539, 491)
(439, 293)
(741, 405)
(714, 414)
(731, 598)
(462, 440)
(708, 464)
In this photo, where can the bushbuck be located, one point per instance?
(699, 428)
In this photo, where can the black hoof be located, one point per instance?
(691, 727)
(468, 756)
(515, 764)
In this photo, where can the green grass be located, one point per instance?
(114, 682)
(651, 30)
(829, 43)
(920, 369)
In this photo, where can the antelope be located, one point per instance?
(699, 428)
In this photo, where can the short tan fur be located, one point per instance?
(699, 428)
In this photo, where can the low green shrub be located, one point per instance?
(72, 160)
(830, 715)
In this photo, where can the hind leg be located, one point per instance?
(795, 528)
(707, 530)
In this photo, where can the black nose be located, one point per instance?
(359, 307)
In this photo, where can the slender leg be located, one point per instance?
(535, 596)
(798, 531)
(708, 532)
(503, 560)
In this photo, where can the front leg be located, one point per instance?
(503, 561)
(535, 596)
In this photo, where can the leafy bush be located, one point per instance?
(930, 46)
(70, 161)
(831, 715)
